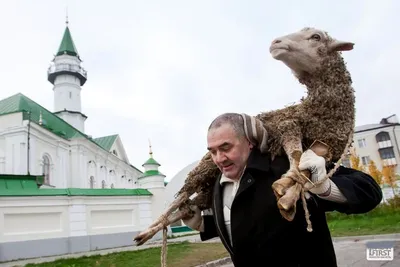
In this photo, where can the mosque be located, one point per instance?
(63, 191)
(37, 141)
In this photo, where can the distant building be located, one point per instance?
(378, 142)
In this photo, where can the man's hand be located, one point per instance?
(195, 222)
(316, 165)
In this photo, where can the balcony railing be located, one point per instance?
(383, 144)
(67, 67)
(389, 162)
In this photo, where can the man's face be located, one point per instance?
(228, 151)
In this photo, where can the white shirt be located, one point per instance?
(230, 188)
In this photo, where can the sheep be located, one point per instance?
(323, 121)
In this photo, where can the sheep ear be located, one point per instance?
(340, 46)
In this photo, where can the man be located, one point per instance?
(245, 214)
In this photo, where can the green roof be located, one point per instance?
(106, 142)
(18, 182)
(75, 192)
(151, 173)
(67, 45)
(151, 161)
(51, 122)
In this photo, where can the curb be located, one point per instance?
(216, 262)
(366, 237)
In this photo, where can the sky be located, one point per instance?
(163, 70)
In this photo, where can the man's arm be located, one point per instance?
(209, 230)
(204, 223)
(361, 191)
(348, 191)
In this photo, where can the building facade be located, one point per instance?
(378, 142)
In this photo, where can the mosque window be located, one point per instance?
(91, 182)
(46, 169)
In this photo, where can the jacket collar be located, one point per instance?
(259, 161)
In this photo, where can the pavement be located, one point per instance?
(350, 251)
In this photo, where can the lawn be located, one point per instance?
(384, 219)
(179, 255)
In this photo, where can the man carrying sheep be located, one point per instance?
(244, 211)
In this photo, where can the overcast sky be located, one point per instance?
(162, 70)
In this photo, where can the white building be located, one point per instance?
(37, 141)
(62, 191)
(378, 142)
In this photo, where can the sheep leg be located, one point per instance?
(288, 188)
(164, 220)
(151, 231)
(289, 192)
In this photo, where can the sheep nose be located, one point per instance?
(276, 41)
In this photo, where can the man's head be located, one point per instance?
(228, 144)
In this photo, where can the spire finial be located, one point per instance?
(66, 16)
(150, 151)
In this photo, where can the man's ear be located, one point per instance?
(251, 145)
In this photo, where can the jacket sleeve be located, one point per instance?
(210, 230)
(361, 191)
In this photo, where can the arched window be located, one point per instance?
(91, 182)
(103, 184)
(382, 136)
(46, 169)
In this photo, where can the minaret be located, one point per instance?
(152, 177)
(67, 76)
(153, 180)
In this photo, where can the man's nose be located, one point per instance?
(220, 157)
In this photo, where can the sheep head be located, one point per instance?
(305, 51)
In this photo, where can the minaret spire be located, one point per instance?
(66, 16)
(150, 151)
(67, 76)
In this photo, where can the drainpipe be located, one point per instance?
(395, 140)
(29, 137)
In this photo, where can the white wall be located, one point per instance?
(10, 121)
(72, 163)
(42, 217)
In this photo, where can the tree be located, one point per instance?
(389, 176)
(355, 162)
(374, 172)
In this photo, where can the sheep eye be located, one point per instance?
(316, 37)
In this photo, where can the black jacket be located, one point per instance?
(262, 237)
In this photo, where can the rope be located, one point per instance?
(165, 223)
(164, 248)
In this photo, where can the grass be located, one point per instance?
(384, 219)
(183, 254)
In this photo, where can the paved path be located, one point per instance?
(353, 254)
